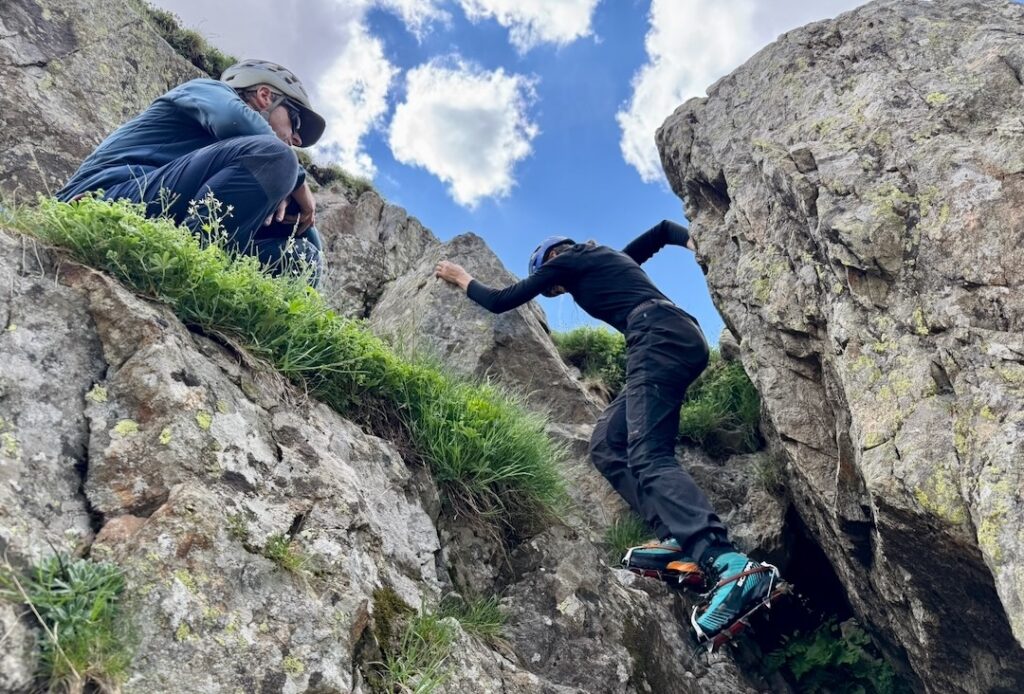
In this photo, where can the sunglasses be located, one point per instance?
(294, 115)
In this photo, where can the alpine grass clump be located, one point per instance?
(189, 44)
(488, 455)
(599, 354)
(326, 174)
(416, 663)
(628, 530)
(481, 617)
(76, 603)
(722, 410)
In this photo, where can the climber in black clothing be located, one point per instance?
(633, 444)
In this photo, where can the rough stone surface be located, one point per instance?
(855, 189)
(17, 655)
(604, 631)
(421, 313)
(189, 462)
(367, 243)
(71, 71)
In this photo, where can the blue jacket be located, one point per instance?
(189, 117)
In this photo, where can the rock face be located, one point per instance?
(856, 190)
(184, 465)
(368, 243)
(437, 319)
(72, 71)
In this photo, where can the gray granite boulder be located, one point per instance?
(855, 191)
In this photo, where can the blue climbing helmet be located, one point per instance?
(541, 251)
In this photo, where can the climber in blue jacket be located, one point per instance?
(633, 444)
(229, 139)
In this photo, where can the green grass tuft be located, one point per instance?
(189, 44)
(478, 616)
(628, 530)
(281, 550)
(327, 174)
(414, 659)
(722, 410)
(418, 665)
(488, 455)
(599, 354)
(76, 602)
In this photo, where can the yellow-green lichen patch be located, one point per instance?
(204, 419)
(919, 325)
(991, 527)
(126, 428)
(938, 496)
(97, 393)
(872, 439)
(1012, 374)
(825, 126)
(11, 327)
(936, 98)
(165, 436)
(768, 271)
(292, 665)
(223, 407)
(9, 445)
(183, 632)
(212, 613)
(186, 579)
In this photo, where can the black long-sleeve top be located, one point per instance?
(606, 283)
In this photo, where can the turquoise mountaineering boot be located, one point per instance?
(742, 587)
(663, 559)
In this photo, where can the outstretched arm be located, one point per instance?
(657, 237)
(500, 300)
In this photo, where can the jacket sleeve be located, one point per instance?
(654, 239)
(550, 274)
(216, 107)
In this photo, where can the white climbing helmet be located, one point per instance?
(250, 73)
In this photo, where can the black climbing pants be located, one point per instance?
(251, 175)
(633, 444)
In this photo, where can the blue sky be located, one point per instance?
(513, 119)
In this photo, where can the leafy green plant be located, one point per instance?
(834, 659)
(281, 550)
(478, 616)
(76, 602)
(722, 410)
(491, 458)
(628, 530)
(189, 44)
(599, 354)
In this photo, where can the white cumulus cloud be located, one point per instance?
(690, 45)
(465, 125)
(353, 100)
(417, 15)
(532, 22)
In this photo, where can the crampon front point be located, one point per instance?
(712, 642)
